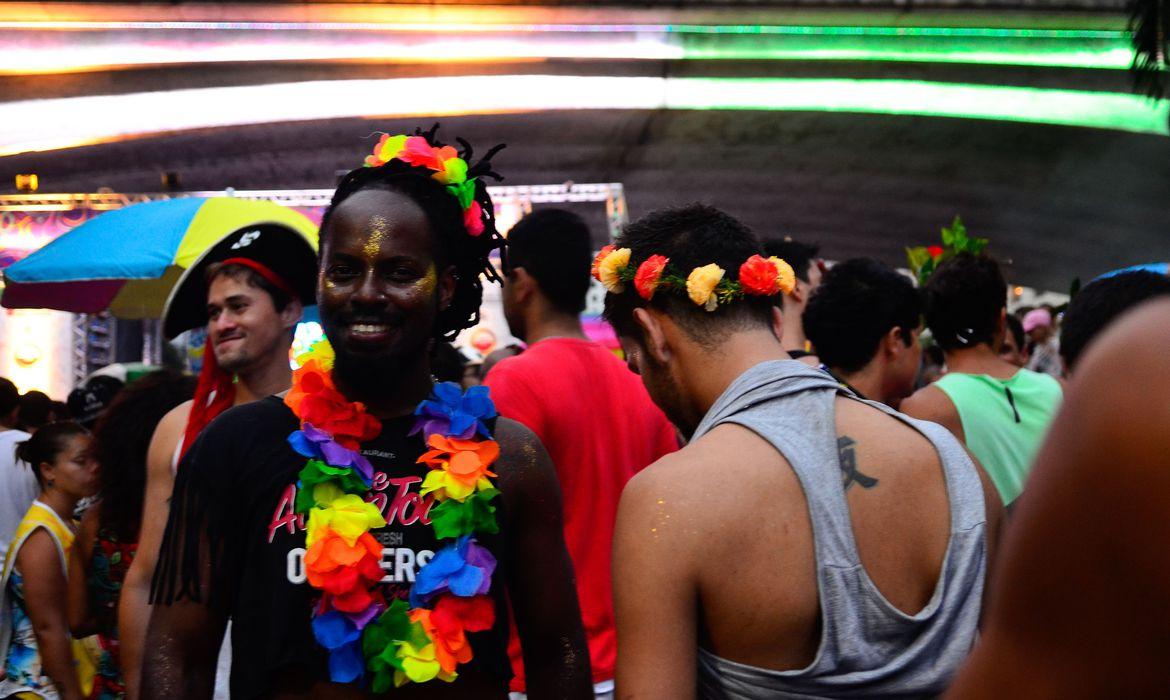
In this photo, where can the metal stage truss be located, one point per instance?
(93, 335)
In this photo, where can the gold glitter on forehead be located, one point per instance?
(378, 227)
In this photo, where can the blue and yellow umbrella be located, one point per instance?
(128, 260)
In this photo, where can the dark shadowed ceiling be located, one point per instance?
(1057, 202)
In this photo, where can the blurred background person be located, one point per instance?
(808, 268)
(999, 410)
(863, 322)
(86, 403)
(447, 362)
(1100, 303)
(1014, 348)
(108, 538)
(35, 642)
(1039, 325)
(18, 484)
(35, 409)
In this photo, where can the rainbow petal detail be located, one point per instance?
(369, 641)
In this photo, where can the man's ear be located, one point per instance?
(523, 284)
(778, 323)
(653, 334)
(291, 315)
(447, 282)
(892, 342)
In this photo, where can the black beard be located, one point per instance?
(367, 376)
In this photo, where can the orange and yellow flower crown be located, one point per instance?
(707, 286)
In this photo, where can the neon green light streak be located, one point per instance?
(951, 32)
(1103, 110)
(1108, 50)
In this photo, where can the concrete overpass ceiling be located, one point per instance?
(1057, 201)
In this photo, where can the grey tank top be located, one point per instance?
(868, 647)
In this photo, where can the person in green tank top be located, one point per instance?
(1000, 411)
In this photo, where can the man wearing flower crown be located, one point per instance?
(591, 412)
(804, 542)
(371, 532)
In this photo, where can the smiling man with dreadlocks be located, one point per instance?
(369, 531)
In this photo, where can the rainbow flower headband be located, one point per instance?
(448, 167)
(707, 286)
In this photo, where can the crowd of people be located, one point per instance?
(795, 480)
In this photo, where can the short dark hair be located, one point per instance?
(964, 298)
(690, 236)
(857, 303)
(245, 274)
(34, 410)
(1102, 301)
(9, 397)
(554, 246)
(46, 444)
(799, 255)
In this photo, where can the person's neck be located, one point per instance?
(388, 393)
(62, 503)
(271, 377)
(980, 359)
(867, 381)
(794, 338)
(544, 326)
(710, 372)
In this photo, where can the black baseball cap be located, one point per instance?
(280, 250)
(87, 403)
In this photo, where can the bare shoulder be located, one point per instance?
(523, 464)
(167, 436)
(706, 480)
(932, 404)
(928, 403)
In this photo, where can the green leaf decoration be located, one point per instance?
(464, 192)
(452, 519)
(317, 472)
(955, 240)
(917, 256)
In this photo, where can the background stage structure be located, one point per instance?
(54, 351)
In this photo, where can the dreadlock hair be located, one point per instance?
(691, 236)
(964, 298)
(469, 254)
(121, 440)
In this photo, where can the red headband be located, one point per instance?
(264, 272)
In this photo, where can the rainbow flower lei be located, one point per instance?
(706, 286)
(399, 642)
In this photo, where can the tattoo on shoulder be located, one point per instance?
(848, 461)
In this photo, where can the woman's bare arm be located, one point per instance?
(44, 592)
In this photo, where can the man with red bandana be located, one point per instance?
(249, 289)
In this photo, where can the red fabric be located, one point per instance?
(263, 270)
(600, 428)
(214, 394)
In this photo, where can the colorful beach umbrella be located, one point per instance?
(127, 260)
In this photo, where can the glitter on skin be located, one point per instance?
(429, 281)
(378, 228)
